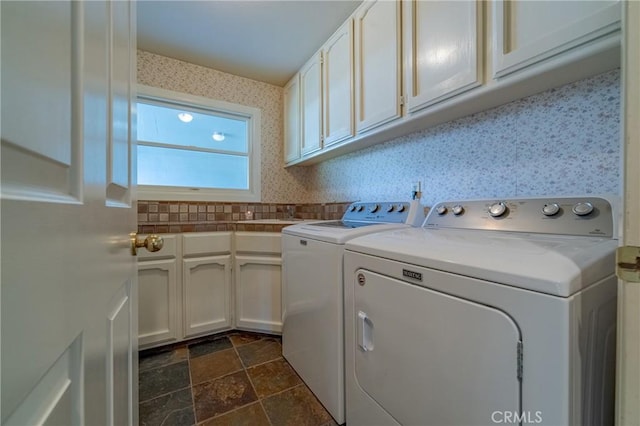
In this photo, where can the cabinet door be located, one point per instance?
(443, 53)
(378, 63)
(338, 85)
(311, 104)
(206, 294)
(158, 301)
(258, 293)
(528, 32)
(292, 119)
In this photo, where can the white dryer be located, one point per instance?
(494, 312)
(312, 292)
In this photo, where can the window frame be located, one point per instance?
(177, 193)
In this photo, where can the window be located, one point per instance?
(194, 148)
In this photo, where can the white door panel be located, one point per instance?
(453, 371)
(68, 279)
(38, 83)
(628, 350)
(119, 142)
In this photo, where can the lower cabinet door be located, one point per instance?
(158, 301)
(206, 294)
(258, 293)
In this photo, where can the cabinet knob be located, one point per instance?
(152, 243)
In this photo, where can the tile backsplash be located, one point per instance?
(180, 216)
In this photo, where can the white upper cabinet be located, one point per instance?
(528, 32)
(337, 60)
(443, 49)
(311, 104)
(292, 119)
(418, 63)
(378, 74)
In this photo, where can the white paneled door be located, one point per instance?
(628, 371)
(69, 315)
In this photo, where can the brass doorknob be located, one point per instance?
(152, 243)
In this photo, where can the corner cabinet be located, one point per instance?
(529, 32)
(443, 49)
(258, 281)
(311, 105)
(378, 74)
(292, 119)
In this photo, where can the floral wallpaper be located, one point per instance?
(565, 141)
(279, 185)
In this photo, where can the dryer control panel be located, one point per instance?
(583, 216)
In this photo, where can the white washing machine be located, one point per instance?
(312, 292)
(494, 312)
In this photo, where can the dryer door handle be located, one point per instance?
(365, 332)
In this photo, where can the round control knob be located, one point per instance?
(497, 209)
(441, 210)
(400, 208)
(374, 208)
(550, 209)
(391, 208)
(582, 209)
(360, 208)
(457, 209)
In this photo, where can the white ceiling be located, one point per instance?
(264, 40)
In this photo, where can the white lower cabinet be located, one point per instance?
(206, 282)
(158, 295)
(185, 288)
(196, 284)
(258, 281)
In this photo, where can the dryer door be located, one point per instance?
(428, 358)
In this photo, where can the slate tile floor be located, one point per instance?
(236, 379)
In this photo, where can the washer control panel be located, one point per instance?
(585, 216)
(389, 212)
